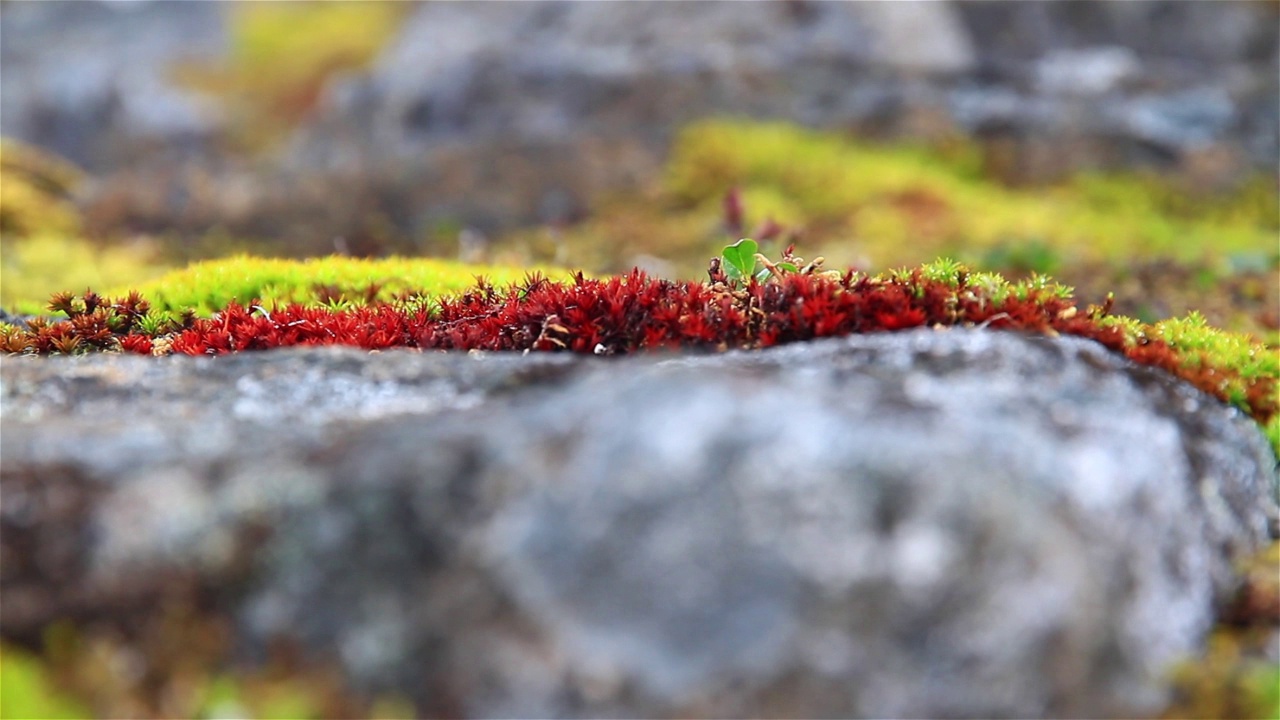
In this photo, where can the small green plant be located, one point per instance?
(742, 261)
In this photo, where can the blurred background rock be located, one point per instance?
(372, 128)
(551, 131)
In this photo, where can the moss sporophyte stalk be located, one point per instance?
(749, 301)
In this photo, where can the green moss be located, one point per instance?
(1193, 336)
(209, 286)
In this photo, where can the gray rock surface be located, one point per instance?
(552, 72)
(591, 94)
(95, 82)
(926, 524)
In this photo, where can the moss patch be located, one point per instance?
(273, 303)
(208, 286)
(32, 268)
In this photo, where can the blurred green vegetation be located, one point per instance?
(42, 246)
(1234, 679)
(904, 204)
(1229, 682)
(35, 688)
(282, 54)
(26, 691)
(880, 206)
(37, 190)
(33, 268)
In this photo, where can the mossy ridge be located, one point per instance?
(208, 286)
(1198, 345)
(264, 304)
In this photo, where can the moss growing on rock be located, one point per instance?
(765, 303)
(261, 304)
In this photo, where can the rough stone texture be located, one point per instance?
(926, 524)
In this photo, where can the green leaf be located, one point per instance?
(740, 259)
(733, 273)
(789, 267)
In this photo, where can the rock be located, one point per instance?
(1199, 36)
(931, 523)
(1190, 119)
(555, 104)
(93, 81)
(590, 95)
(1091, 71)
(505, 114)
(919, 36)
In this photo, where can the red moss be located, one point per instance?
(140, 344)
(622, 315)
